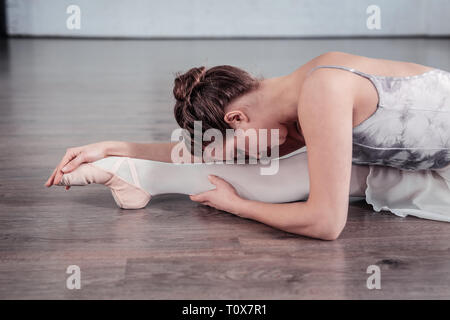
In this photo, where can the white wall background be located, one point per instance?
(228, 18)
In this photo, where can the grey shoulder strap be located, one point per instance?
(363, 74)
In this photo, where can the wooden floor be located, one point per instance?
(56, 94)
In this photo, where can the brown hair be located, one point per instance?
(202, 94)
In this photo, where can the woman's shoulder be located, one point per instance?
(314, 70)
(337, 58)
(368, 65)
(318, 81)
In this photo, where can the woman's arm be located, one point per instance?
(74, 157)
(148, 151)
(325, 114)
(294, 217)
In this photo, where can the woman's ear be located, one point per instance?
(235, 117)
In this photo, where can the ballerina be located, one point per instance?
(345, 109)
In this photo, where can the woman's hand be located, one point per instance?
(224, 197)
(74, 157)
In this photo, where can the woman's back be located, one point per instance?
(405, 120)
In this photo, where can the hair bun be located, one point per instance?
(186, 82)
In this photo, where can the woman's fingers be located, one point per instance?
(69, 167)
(70, 154)
(50, 180)
(200, 197)
(217, 181)
(73, 164)
(58, 177)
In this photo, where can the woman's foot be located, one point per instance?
(112, 172)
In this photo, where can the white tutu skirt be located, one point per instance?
(424, 193)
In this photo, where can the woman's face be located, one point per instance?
(257, 135)
(265, 128)
(259, 125)
(233, 149)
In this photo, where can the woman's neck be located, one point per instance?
(282, 92)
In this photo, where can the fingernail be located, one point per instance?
(64, 169)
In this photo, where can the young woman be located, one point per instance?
(344, 108)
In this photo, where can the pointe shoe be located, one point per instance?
(126, 195)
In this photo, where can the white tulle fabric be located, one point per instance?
(424, 193)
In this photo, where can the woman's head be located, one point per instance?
(220, 98)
